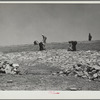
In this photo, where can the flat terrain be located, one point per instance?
(39, 76)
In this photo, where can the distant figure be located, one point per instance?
(41, 46)
(72, 46)
(36, 43)
(44, 38)
(90, 37)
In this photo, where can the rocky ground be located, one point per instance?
(54, 69)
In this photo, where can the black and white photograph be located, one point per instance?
(49, 47)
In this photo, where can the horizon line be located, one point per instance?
(46, 43)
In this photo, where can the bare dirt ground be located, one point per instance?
(39, 77)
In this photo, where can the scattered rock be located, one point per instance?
(95, 75)
(54, 73)
(85, 64)
(8, 68)
(73, 89)
(10, 81)
(61, 72)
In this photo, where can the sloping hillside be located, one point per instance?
(43, 70)
(82, 45)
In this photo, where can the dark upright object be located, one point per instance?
(90, 37)
(36, 43)
(72, 45)
(44, 38)
(41, 46)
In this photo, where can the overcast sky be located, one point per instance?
(24, 23)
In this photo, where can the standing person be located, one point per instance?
(90, 37)
(74, 43)
(44, 38)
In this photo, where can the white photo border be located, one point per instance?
(48, 94)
